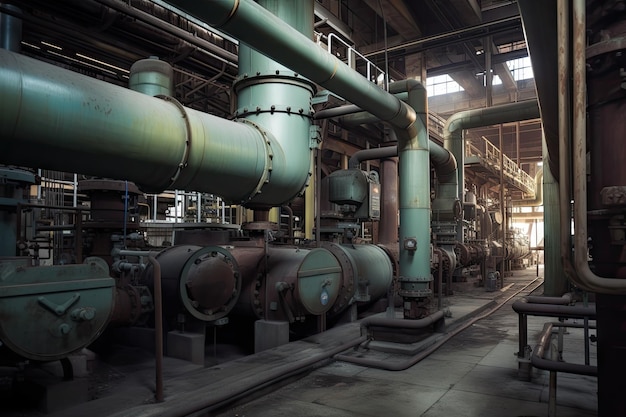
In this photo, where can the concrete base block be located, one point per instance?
(56, 395)
(270, 334)
(186, 346)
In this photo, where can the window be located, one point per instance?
(441, 84)
(520, 68)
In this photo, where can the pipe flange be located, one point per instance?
(185, 158)
(274, 108)
(347, 290)
(191, 305)
(269, 155)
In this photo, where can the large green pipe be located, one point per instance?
(453, 131)
(55, 119)
(274, 97)
(263, 31)
(555, 280)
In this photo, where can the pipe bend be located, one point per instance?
(369, 322)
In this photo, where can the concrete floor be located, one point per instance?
(473, 374)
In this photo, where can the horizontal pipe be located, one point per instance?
(369, 322)
(370, 154)
(522, 306)
(184, 405)
(538, 361)
(565, 299)
(407, 363)
(55, 119)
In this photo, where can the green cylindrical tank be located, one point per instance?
(50, 312)
(298, 283)
(367, 273)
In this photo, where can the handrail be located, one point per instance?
(351, 62)
(491, 155)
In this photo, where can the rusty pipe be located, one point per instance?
(583, 277)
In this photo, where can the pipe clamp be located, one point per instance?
(185, 159)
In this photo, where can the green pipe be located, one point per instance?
(267, 33)
(555, 280)
(55, 119)
(453, 131)
(273, 97)
(152, 77)
(263, 31)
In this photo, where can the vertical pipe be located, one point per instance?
(555, 280)
(488, 73)
(158, 328)
(502, 207)
(10, 30)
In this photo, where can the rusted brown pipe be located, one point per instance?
(158, 328)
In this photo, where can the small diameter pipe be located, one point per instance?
(400, 366)
(538, 360)
(565, 299)
(522, 306)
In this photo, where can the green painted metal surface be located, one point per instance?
(50, 312)
(318, 281)
(55, 119)
(279, 100)
(373, 271)
(348, 186)
(555, 281)
(152, 77)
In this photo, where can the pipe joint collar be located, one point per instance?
(269, 154)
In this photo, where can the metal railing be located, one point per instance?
(491, 155)
(355, 60)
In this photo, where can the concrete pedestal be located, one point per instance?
(270, 334)
(186, 346)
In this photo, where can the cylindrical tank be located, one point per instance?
(204, 283)
(367, 273)
(50, 312)
(297, 283)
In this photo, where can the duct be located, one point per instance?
(538, 199)
(584, 277)
(453, 131)
(265, 32)
(158, 144)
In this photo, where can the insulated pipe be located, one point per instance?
(584, 277)
(453, 131)
(80, 124)
(265, 32)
